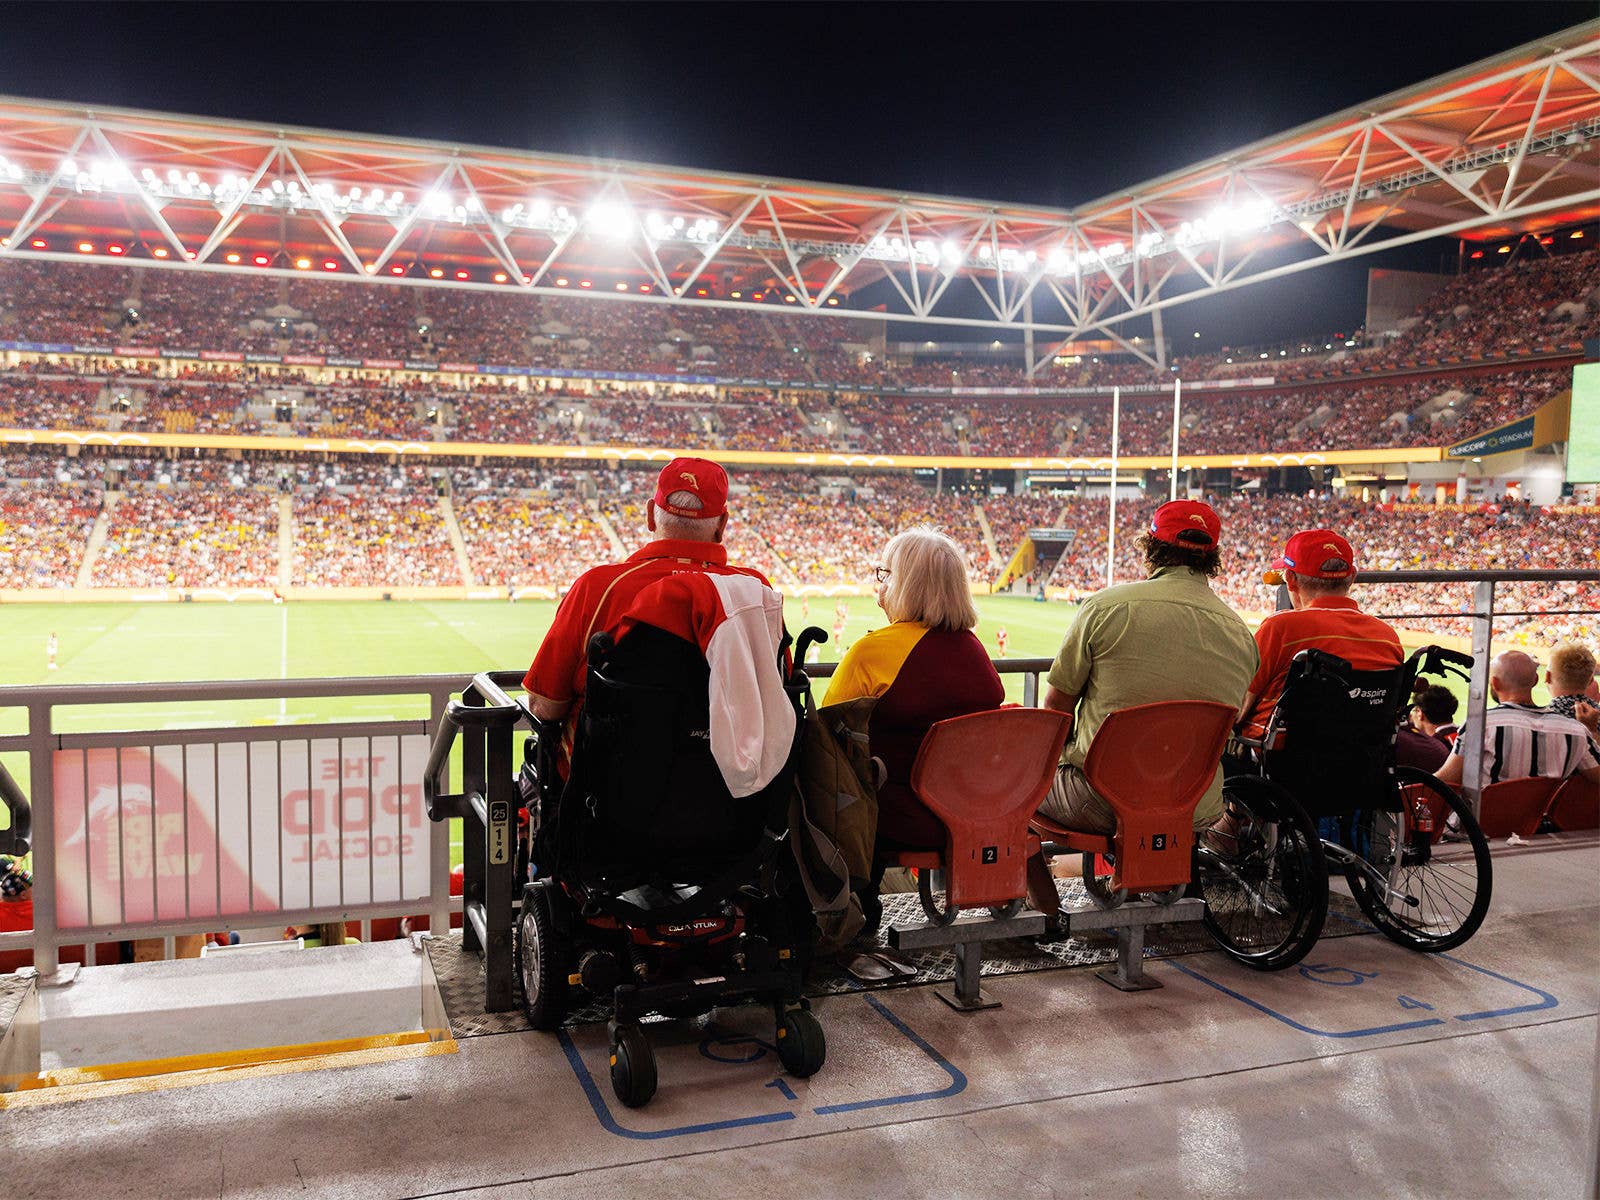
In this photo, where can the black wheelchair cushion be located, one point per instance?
(1337, 754)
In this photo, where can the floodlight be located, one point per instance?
(302, 264)
(609, 219)
(232, 258)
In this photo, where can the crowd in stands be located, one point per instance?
(367, 538)
(190, 537)
(44, 527)
(516, 541)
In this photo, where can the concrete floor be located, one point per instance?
(1369, 1070)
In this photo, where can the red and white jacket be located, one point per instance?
(737, 621)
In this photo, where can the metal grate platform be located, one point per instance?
(460, 973)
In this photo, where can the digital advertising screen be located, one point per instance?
(1583, 436)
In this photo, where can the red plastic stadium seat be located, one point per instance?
(983, 775)
(1515, 806)
(1576, 805)
(1151, 764)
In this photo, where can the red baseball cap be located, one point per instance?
(1310, 551)
(1191, 516)
(698, 475)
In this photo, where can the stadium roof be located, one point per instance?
(1507, 144)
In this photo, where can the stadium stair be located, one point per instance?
(988, 533)
(285, 544)
(447, 510)
(97, 539)
(606, 528)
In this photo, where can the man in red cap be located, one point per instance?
(1168, 637)
(1317, 566)
(665, 584)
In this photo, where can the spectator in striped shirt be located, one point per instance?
(1520, 739)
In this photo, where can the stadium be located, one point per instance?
(301, 429)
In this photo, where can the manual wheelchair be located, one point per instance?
(1330, 743)
(649, 886)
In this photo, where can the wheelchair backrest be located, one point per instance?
(1336, 752)
(645, 789)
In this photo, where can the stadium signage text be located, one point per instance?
(1518, 435)
(226, 829)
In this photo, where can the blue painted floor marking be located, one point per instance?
(1544, 1001)
(603, 1114)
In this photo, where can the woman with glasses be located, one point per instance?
(924, 666)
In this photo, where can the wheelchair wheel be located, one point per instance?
(633, 1066)
(802, 1048)
(1421, 894)
(541, 955)
(1263, 876)
(1099, 887)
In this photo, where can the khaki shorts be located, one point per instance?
(1073, 803)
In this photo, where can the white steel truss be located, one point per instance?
(1489, 150)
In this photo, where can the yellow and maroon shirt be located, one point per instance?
(919, 676)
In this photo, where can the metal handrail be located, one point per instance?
(15, 840)
(497, 710)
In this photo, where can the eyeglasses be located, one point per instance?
(881, 574)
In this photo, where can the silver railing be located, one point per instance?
(158, 832)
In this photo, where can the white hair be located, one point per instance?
(927, 580)
(686, 529)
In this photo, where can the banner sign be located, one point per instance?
(304, 360)
(333, 361)
(411, 364)
(1518, 435)
(222, 355)
(234, 830)
(1053, 535)
(194, 354)
(136, 352)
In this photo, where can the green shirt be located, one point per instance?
(1167, 638)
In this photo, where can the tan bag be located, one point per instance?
(834, 816)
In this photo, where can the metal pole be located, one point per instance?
(1593, 1189)
(1111, 524)
(1177, 408)
(41, 782)
(1477, 692)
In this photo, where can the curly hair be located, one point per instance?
(1158, 554)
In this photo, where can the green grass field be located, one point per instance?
(106, 645)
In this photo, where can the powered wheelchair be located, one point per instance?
(650, 888)
(1330, 743)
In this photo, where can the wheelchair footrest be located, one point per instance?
(634, 1001)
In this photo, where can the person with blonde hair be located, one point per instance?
(926, 665)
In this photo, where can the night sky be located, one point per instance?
(1047, 103)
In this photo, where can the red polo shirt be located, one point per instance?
(600, 597)
(1332, 623)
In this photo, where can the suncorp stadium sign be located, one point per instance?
(1516, 436)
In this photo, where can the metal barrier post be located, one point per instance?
(1030, 688)
(500, 840)
(41, 767)
(1477, 693)
(439, 838)
(473, 838)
